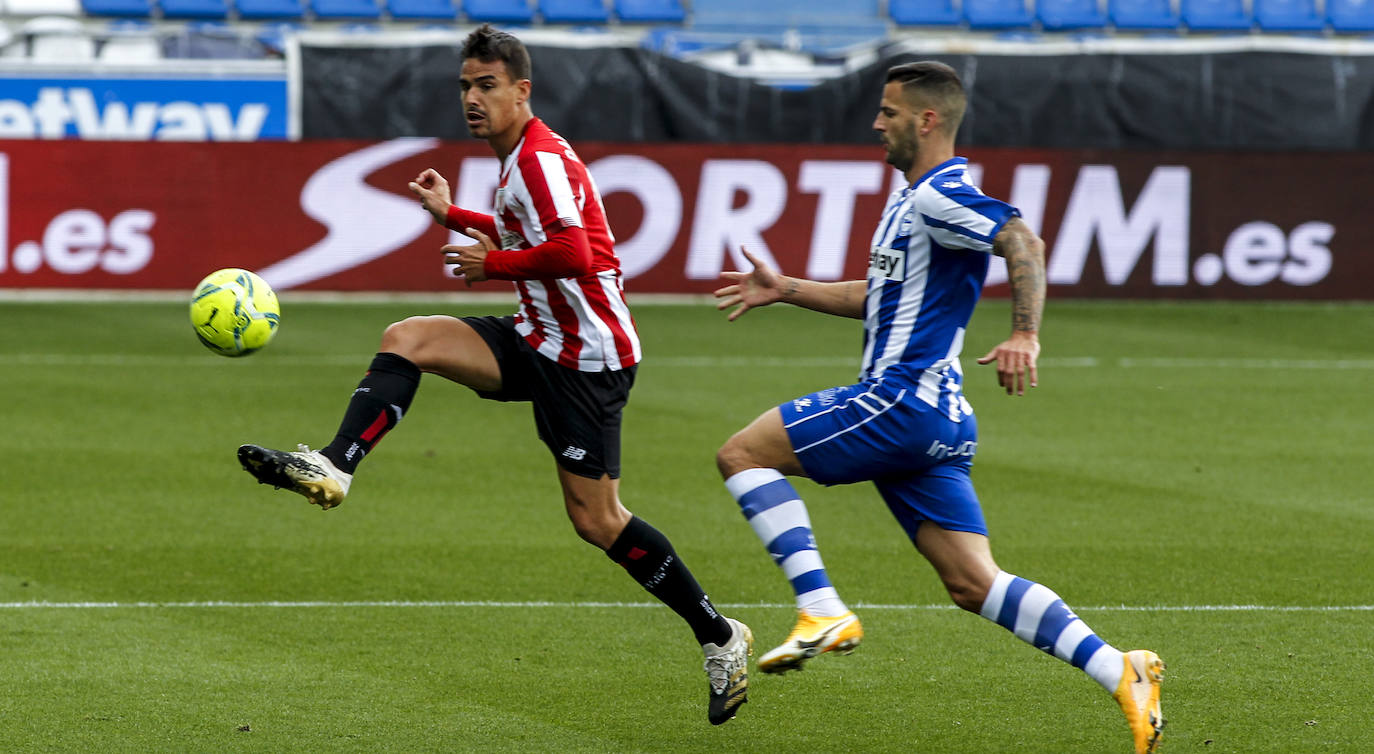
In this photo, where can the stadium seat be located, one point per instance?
(210, 40)
(1142, 15)
(22, 8)
(574, 11)
(209, 9)
(1350, 16)
(417, 10)
(681, 43)
(273, 37)
(1288, 16)
(997, 14)
(58, 39)
(130, 42)
(837, 40)
(126, 8)
(254, 10)
(924, 12)
(333, 10)
(1065, 15)
(11, 45)
(499, 11)
(785, 13)
(650, 11)
(1216, 15)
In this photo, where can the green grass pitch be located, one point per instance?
(1192, 478)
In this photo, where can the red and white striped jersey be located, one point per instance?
(581, 322)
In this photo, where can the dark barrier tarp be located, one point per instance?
(1237, 100)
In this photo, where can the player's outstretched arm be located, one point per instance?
(763, 286)
(1016, 356)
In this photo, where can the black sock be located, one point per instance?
(380, 401)
(649, 557)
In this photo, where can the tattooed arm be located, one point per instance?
(765, 286)
(1016, 356)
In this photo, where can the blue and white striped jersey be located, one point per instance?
(925, 273)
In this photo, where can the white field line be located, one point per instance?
(618, 605)
(708, 362)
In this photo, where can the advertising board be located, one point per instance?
(129, 108)
(336, 215)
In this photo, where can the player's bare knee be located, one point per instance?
(404, 338)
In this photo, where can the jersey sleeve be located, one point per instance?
(566, 254)
(460, 219)
(959, 216)
(553, 193)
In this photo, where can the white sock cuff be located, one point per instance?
(822, 603)
(1106, 666)
(992, 604)
(749, 480)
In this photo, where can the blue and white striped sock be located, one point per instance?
(1040, 618)
(779, 518)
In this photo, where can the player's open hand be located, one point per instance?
(760, 287)
(1015, 359)
(470, 261)
(434, 194)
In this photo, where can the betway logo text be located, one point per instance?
(58, 110)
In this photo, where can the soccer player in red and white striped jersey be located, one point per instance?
(556, 246)
(571, 349)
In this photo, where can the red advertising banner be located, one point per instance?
(336, 215)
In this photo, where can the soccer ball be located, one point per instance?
(234, 312)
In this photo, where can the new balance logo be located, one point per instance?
(573, 453)
(938, 449)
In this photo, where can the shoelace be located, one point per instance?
(719, 668)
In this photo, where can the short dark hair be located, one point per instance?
(488, 45)
(936, 84)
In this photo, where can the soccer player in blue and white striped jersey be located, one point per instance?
(906, 425)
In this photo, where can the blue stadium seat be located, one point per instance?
(1216, 15)
(126, 8)
(1064, 15)
(419, 10)
(1288, 15)
(997, 14)
(1142, 15)
(785, 13)
(270, 9)
(273, 36)
(837, 40)
(650, 11)
(210, 40)
(574, 11)
(1350, 16)
(924, 12)
(212, 9)
(330, 10)
(499, 11)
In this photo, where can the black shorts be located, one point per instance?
(576, 413)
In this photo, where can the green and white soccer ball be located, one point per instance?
(234, 312)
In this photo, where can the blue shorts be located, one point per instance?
(917, 457)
